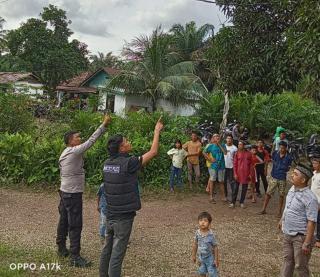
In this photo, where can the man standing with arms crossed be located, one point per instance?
(72, 186)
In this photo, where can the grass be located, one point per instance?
(12, 257)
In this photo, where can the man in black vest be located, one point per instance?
(120, 175)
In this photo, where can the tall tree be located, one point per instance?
(303, 38)
(157, 73)
(260, 32)
(104, 60)
(43, 44)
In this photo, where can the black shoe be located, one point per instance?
(79, 262)
(63, 252)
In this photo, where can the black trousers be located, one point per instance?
(243, 193)
(318, 227)
(263, 177)
(117, 238)
(228, 179)
(70, 221)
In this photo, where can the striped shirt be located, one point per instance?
(301, 207)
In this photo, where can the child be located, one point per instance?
(102, 209)
(177, 154)
(205, 245)
(255, 160)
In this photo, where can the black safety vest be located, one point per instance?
(121, 187)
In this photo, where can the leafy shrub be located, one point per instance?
(262, 113)
(15, 113)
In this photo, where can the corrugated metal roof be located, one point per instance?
(77, 89)
(12, 77)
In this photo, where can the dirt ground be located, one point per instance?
(250, 244)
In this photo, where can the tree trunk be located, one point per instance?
(225, 112)
(154, 105)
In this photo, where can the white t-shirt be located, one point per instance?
(315, 185)
(231, 150)
(178, 156)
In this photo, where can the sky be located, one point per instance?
(105, 25)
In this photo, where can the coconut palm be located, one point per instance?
(104, 60)
(191, 43)
(157, 72)
(2, 36)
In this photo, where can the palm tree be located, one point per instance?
(156, 72)
(189, 39)
(2, 36)
(104, 60)
(191, 43)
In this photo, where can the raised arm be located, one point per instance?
(93, 138)
(155, 144)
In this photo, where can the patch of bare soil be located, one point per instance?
(250, 244)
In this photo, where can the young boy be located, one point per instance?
(102, 209)
(315, 188)
(193, 147)
(206, 246)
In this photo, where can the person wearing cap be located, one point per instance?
(120, 175)
(315, 188)
(298, 224)
(214, 153)
(281, 162)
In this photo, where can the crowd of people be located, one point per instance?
(231, 165)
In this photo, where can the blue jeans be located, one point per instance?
(175, 172)
(207, 266)
(117, 238)
(102, 224)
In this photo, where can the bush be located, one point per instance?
(15, 113)
(262, 113)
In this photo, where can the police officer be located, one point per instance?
(71, 189)
(121, 186)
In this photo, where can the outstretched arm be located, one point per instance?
(86, 145)
(155, 144)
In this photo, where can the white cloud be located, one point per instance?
(105, 24)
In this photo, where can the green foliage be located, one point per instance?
(158, 72)
(257, 44)
(304, 43)
(33, 158)
(261, 113)
(44, 47)
(15, 114)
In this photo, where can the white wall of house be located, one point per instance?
(119, 104)
(184, 110)
(28, 88)
(124, 103)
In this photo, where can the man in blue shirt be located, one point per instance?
(298, 224)
(102, 209)
(217, 168)
(281, 162)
